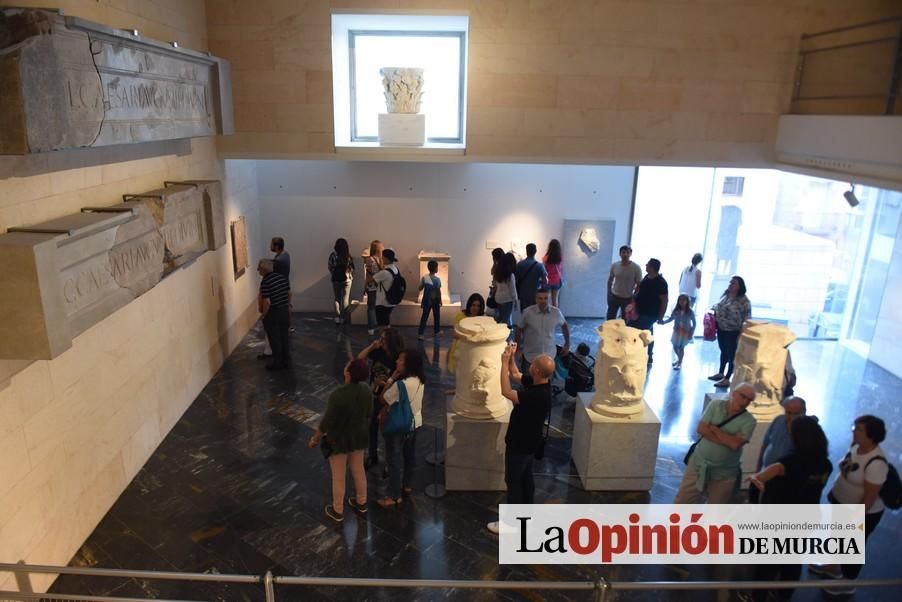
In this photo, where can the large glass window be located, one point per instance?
(439, 54)
(810, 261)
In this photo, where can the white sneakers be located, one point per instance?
(493, 527)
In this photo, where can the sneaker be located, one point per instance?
(493, 527)
(370, 331)
(831, 571)
(337, 320)
(421, 338)
(331, 513)
(717, 376)
(361, 508)
(722, 384)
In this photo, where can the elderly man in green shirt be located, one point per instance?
(713, 468)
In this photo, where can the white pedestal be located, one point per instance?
(614, 454)
(751, 450)
(408, 313)
(403, 129)
(474, 453)
(443, 260)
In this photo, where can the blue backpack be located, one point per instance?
(399, 420)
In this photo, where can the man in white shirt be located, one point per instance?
(537, 327)
(383, 280)
(623, 280)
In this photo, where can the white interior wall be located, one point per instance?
(456, 208)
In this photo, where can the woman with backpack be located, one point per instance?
(862, 473)
(341, 270)
(403, 414)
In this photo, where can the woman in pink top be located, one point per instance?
(554, 265)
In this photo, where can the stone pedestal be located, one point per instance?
(751, 450)
(614, 453)
(408, 313)
(443, 260)
(402, 129)
(474, 453)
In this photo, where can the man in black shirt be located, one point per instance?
(272, 303)
(524, 435)
(651, 300)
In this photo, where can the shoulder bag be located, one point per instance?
(692, 447)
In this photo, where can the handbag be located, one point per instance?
(490, 300)
(710, 327)
(399, 419)
(692, 447)
(325, 446)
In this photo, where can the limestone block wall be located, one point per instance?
(76, 429)
(608, 81)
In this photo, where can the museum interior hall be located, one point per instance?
(206, 211)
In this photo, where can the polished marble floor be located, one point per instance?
(233, 488)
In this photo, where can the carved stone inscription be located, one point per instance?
(70, 273)
(69, 83)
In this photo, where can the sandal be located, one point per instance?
(388, 502)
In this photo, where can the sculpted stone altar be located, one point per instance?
(481, 342)
(620, 369)
(760, 360)
(69, 83)
(69, 273)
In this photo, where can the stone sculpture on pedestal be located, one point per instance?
(760, 361)
(620, 369)
(480, 344)
(402, 124)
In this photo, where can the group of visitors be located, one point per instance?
(642, 302)
(514, 284)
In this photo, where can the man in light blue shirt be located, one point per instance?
(531, 276)
(777, 440)
(537, 326)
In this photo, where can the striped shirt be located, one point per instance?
(275, 287)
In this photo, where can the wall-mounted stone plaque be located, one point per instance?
(69, 83)
(239, 246)
(67, 274)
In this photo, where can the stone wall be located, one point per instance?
(612, 81)
(76, 429)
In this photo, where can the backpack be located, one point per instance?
(580, 377)
(891, 490)
(340, 270)
(399, 419)
(395, 293)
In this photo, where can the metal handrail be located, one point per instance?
(601, 587)
(874, 23)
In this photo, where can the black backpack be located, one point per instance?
(340, 269)
(891, 490)
(395, 293)
(580, 377)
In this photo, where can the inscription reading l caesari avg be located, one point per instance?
(136, 258)
(170, 96)
(184, 233)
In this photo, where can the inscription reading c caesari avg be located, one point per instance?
(171, 96)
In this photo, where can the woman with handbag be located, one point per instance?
(343, 434)
(402, 415)
(731, 312)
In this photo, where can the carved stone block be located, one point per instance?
(760, 361)
(480, 343)
(620, 369)
(69, 273)
(69, 83)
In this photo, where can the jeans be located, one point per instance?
(616, 303)
(342, 292)
(851, 571)
(383, 315)
(728, 341)
(275, 323)
(646, 323)
(400, 457)
(521, 485)
(371, 310)
(436, 310)
(503, 313)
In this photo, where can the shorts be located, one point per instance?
(555, 287)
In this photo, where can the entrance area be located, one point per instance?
(810, 260)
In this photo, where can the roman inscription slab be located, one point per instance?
(69, 83)
(239, 246)
(69, 273)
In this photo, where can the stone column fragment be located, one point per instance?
(620, 369)
(481, 342)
